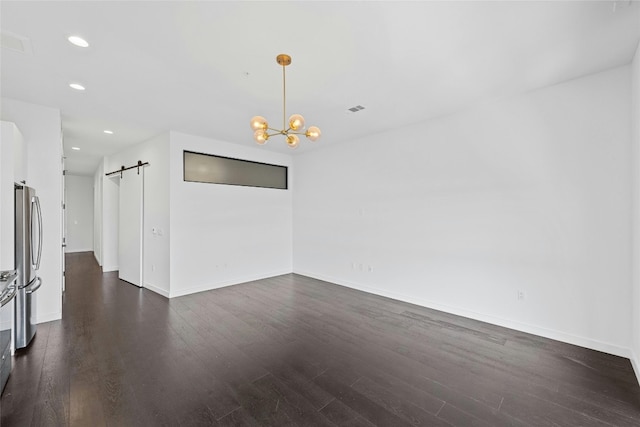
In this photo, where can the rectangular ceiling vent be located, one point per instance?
(15, 42)
(356, 108)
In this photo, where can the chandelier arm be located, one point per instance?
(283, 131)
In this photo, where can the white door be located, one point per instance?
(64, 226)
(131, 226)
(64, 216)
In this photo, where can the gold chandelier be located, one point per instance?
(296, 122)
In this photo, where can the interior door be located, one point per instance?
(130, 247)
(64, 216)
(64, 227)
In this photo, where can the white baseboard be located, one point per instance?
(511, 324)
(106, 269)
(156, 289)
(49, 317)
(635, 363)
(224, 283)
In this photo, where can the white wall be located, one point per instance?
(224, 234)
(635, 159)
(156, 209)
(79, 215)
(206, 235)
(460, 213)
(110, 220)
(41, 129)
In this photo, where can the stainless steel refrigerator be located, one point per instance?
(28, 253)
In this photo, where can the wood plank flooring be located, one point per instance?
(295, 351)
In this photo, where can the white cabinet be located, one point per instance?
(7, 131)
(19, 157)
(12, 169)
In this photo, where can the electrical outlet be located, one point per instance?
(521, 295)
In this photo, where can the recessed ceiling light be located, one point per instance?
(75, 148)
(76, 86)
(78, 41)
(110, 132)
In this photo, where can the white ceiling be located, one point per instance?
(207, 67)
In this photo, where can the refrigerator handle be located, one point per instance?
(36, 199)
(35, 286)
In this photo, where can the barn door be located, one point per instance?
(130, 247)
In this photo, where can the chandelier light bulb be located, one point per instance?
(259, 123)
(313, 133)
(296, 122)
(260, 136)
(293, 140)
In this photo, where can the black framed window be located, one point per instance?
(208, 168)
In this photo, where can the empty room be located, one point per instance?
(320, 213)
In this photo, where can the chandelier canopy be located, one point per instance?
(296, 122)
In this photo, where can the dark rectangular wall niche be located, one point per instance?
(212, 169)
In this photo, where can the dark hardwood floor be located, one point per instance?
(291, 351)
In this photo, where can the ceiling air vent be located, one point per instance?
(356, 108)
(15, 42)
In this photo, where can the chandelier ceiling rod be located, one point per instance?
(284, 95)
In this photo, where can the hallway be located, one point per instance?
(291, 350)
